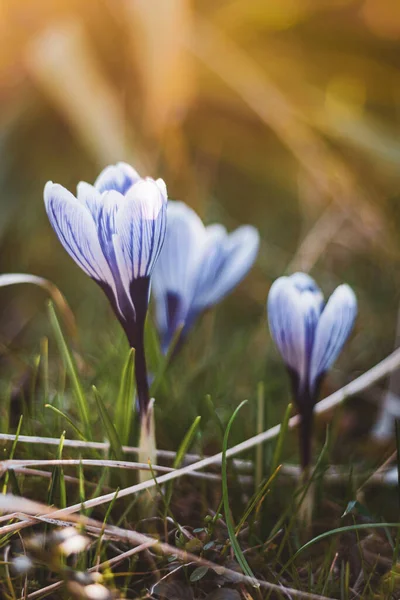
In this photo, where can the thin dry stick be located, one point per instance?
(49, 475)
(378, 372)
(333, 475)
(19, 465)
(244, 465)
(9, 502)
(13, 464)
(106, 564)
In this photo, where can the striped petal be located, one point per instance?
(311, 306)
(76, 230)
(107, 234)
(311, 301)
(160, 183)
(103, 208)
(304, 283)
(333, 329)
(176, 270)
(89, 197)
(106, 224)
(227, 259)
(119, 177)
(140, 230)
(287, 326)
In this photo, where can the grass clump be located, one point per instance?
(73, 523)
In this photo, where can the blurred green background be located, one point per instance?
(279, 113)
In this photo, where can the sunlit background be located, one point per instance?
(279, 113)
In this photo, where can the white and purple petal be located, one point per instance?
(287, 326)
(334, 327)
(103, 208)
(76, 230)
(227, 260)
(89, 197)
(140, 230)
(176, 271)
(160, 183)
(119, 177)
(312, 301)
(304, 283)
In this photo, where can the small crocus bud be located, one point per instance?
(309, 335)
(114, 230)
(197, 268)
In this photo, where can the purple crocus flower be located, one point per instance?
(114, 230)
(309, 335)
(198, 267)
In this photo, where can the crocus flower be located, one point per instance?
(309, 335)
(197, 268)
(114, 230)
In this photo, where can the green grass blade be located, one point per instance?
(44, 367)
(254, 501)
(152, 344)
(63, 490)
(291, 511)
(33, 384)
(12, 452)
(64, 416)
(14, 483)
(57, 476)
(98, 490)
(282, 435)
(259, 468)
(164, 361)
(101, 534)
(180, 455)
(111, 432)
(71, 370)
(213, 415)
(228, 518)
(125, 406)
(82, 495)
(15, 442)
(186, 443)
(160, 492)
(340, 530)
(318, 470)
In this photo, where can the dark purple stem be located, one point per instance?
(305, 403)
(142, 384)
(140, 289)
(133, 323)
(305, 437)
